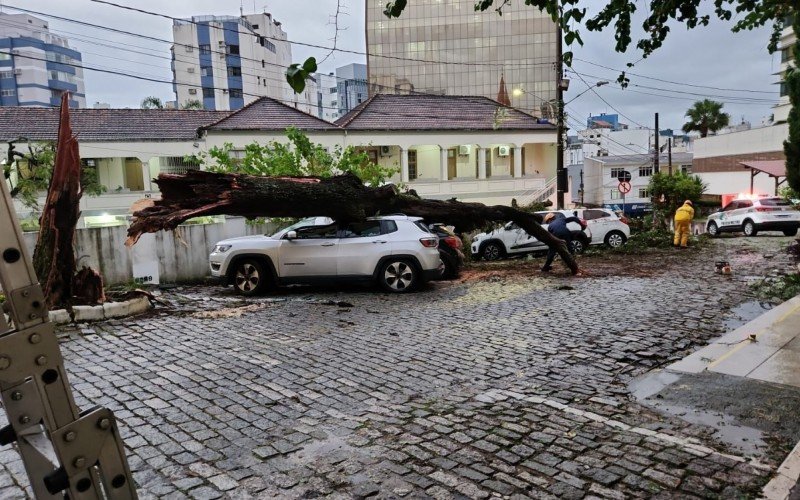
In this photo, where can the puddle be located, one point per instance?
(744, 313)
(651, 383)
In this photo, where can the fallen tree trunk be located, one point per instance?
(343, 198)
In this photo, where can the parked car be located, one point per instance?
(450, 252)
(752, 216)
(513, 240)
(606, 227)
(308, 221)
(397, 252)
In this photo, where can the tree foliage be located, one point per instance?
(670, 191)
(152, 102)
(193, 104)
(571, 16)
(791, 147)
(28, 174)
(297, 158)
(706, 116)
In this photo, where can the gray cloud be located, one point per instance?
(710, 56)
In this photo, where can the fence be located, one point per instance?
(164, 257)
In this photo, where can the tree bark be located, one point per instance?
(343, 198)
(54, 257)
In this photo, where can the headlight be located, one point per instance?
(221, 248)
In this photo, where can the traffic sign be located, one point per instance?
(624, 187)
(624, 176)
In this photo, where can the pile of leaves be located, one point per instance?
(778, 290)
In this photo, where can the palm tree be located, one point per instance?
(152, 102)
(706, 116)
(193, 104)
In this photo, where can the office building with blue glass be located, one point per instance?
(36, 66)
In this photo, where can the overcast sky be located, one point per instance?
(711, 56)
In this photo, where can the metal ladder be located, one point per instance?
(67, 453)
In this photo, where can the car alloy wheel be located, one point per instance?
(615, 239)
(249, 277)
(492, 251)
(577, 246)
(712, 229)
(398, 276)
(749, 228)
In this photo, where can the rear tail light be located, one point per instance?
(764, 209)
(452, 241)
(624, 220)
(429, 242)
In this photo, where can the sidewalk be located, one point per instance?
(766, 349)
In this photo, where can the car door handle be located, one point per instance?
(378, 241)
(328, 244)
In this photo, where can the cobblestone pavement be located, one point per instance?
(497, 386)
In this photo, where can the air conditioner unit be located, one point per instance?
(385, 151)
(192, 91)
(190, 70)
(503, 151)
(221, 43)
(463, 150)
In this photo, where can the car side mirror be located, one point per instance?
(291, 235)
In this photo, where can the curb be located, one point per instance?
(786, 477)
(108, 310)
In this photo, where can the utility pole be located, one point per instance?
(561, 178)
(657, 152)
(582, 186)
(670, 154)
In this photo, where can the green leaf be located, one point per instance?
(394, 9)
(310, 66)
(296, 77)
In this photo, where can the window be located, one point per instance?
(205, 49)
(233, 50)
(6, 74)
(208, 92)
(234, 71)
(193, 91)
(644, 193)
(774, 202)
(236, 93)
(390, 225)
(646, 171)
(616, 172)
(189, 48)
(686, 169)
(362, 229)
(412, 164)
(206, 71)
(317, 232)
(177, 164)
(594, 214)
(615, 194)
(269, 46)
(332, 90)
(8, 92)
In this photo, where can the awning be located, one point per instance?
(773, 168)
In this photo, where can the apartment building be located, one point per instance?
(351, 86)
(786, 46)
(226, 62)
(36, 66)
(448, 48)
(327, 97)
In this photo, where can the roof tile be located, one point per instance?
(267, 113)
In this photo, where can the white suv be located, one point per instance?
(607, 228)
(397, 252)
(752, 216)
(513, 240)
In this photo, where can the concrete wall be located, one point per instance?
(181, 256)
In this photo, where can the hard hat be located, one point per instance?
(687, 202)
(550, 216)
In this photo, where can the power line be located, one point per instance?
(595, 92)
(675, 83)
(316, 46)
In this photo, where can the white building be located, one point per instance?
(601, 179)
(226, 62)
(41, 66)
(327, 97)
(785, 45)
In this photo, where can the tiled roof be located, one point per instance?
(266, 113)
(432, 112)
(102, 125)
